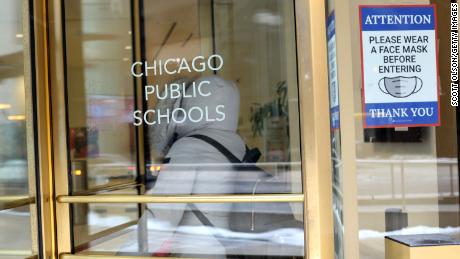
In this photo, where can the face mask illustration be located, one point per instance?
(400, 86)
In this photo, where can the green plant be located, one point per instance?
(275, 108)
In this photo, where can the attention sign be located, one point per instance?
(399, 66)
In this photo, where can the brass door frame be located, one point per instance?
(43, 116)
(314, 105)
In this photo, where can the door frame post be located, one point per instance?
(315, 133)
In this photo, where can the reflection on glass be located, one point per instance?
(229, 81)
(100, 93)
(273, 236)
(227, 125)
(13, 154)
(254, 87)
(94, 221)
(16, 236)
(100, 103)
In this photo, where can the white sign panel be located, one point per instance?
(399, 66)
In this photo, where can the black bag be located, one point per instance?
(253, 217)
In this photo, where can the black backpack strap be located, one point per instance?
(201, 217)
(231, 157)
(224, 151)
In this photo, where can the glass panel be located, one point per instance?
(220, 75)
(13, 154)
(199, 70)
(18, 216)
(94, 221)
(17, 237)
(248, 67)
(155, 236)
(100, 90)
(100, 93)
(406, 176)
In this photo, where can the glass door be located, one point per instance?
(177, 128)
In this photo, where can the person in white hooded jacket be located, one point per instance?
(185, 174)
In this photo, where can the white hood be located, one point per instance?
(162, 134)
(219, 92)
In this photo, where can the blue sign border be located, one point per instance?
(366, 106)
(334, 112)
